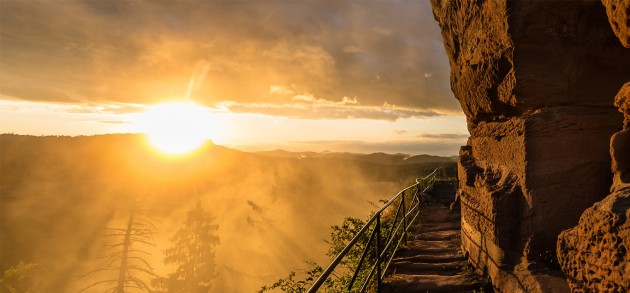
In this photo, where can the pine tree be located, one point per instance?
(193, 253)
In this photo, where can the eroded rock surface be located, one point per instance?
(619, 18)
(535, 80)
(480, 54)
(620, 142)
(594, 255)
(511, 57)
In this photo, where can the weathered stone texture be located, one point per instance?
(495, 202)
(622, 102)
(511, 57)
(620, 142)
(620, 152)
(568, 169)
(619, 18)
(594, 255)
(535, 80)
(564, 54)
(480, 54)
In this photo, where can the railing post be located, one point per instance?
(404, 218)
(378, 253)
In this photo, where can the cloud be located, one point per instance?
(307, 107)
(445, 136)
(83, 108)
(280, 90)
(114, 122)
(440, 148)
(251, 52)
(94, 108)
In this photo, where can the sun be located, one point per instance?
(176, 128)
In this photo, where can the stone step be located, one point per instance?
(431, 227)
(440, 201)
(443, 257)
(440, 219)
(436, 208)
(432, 245)
(432, 261)
(426, 247)
(423, 268)
(468, 282)
(447, 197)
(438, 235)
(442, 193)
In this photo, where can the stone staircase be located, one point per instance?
(432, 260)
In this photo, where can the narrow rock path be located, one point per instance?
(432, 260)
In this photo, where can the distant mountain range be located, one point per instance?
(378, 158)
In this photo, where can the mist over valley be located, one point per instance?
(269, 211)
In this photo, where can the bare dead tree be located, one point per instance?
(125, 255)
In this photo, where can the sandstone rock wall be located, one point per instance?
(594, 255)
(535, 80)
(620, 142)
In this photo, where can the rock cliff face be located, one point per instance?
(536, 80)
(620, 142)
(594, 255)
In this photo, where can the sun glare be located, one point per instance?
(176, 128)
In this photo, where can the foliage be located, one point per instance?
(290, 284)
(340, 236)
(18, 279)
(193, 252)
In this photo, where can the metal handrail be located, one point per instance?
(422, 184)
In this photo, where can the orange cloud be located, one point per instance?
(253, 53)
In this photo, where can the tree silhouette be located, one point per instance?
(193, 253)
(125, 255)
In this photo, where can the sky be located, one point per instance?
(359, 76)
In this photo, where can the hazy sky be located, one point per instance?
(303, 75)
